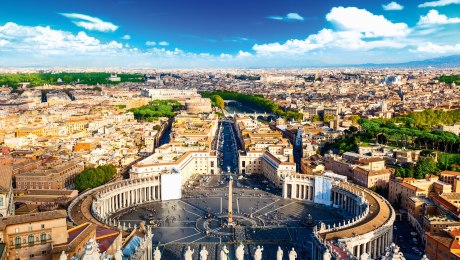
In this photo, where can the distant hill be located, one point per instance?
(441, 62)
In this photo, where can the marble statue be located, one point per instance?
(188, 253)
(63, 256)
(157, 254)
(91, 251)
(292, 254)
(364, 256)
(118, 254)
(279, 254)
(327, 255)
(204, 253)
(258, 253)
(425, 257)
(239, 253)
(224, 253)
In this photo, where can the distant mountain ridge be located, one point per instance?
(451, 61)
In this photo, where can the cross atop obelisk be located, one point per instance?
(230, 202)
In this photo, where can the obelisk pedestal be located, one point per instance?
(230, 202)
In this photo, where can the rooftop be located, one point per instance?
(34, 217)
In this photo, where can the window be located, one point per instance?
(44, 252)
(16, 230)
(43, 237)
(1, 201)
(17, 241)
(31, 255)
(43, 226)
(30, 239)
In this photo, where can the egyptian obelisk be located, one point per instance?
(230, 202)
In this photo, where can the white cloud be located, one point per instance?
(362, 21)
(150, 43)
(163, 43)
(356, 30)
(288, 17)
(438, 49)
(44, 40)
(243, 54)
(3, 42)
(294, 16)
(325, 39)
(226, 56)
(279, 18)
(439, 3)
(90, 23)
(434, 17)
(126, 37)
(392, 6)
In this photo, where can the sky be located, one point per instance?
(224, 34)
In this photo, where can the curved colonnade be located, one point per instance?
(367, 234)
(124, 194)
(98, 204)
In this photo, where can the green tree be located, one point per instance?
(427, 166)
(219, 101)
(316, 118)
(354, 119)
(93, 177)
(328, 118)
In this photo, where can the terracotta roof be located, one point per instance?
(77, 235)
(410, 186)
(34, 217)
(442, 238)
(105, 237)
(450, 173)
(6, 171)
(447, 204)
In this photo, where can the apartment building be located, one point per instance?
(443, 245)
(402, 189)
(32, 236)
(364, 170)
(6, 187)
(52, 175)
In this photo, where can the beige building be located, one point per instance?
(6, 187)
(35, 130)
(189, 151)
(407, 156)
(402, 189)
(265, 151)
(54, 175)
(264, 162)
(198, 105)
(451, 178)
(32, 236)
(372, 178)
(364, 170)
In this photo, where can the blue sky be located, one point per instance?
(217, 33)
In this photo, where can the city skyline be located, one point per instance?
(207, 34)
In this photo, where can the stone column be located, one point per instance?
(124, 201)
(285, 189)
(294, 191)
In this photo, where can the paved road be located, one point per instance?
(403, 238)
